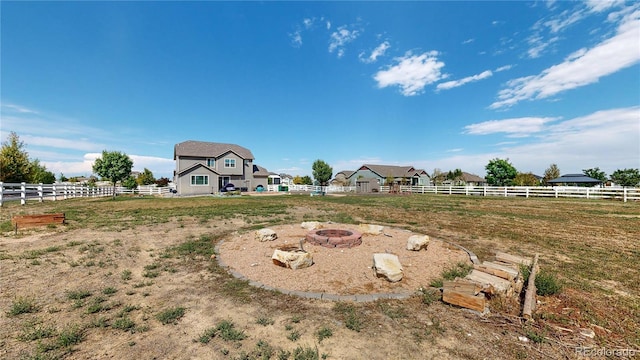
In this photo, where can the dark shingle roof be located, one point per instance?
(472, 178)
(209, 149)
(574, 178)
(346, 173)
(260, 171)
(390, 170)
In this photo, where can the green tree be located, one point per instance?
(63, 178)
(322, 172)
(595, 173)
(306, 180)
(455, 176)
(114, 166)
(500, 172)
(162, 182)
(297, 180)
(130, 183)
(389, 180)
(552, 172)
(626, 177)
(40, 174)
(15, 166)
(526, 179)
(438, 177)
(146, 177)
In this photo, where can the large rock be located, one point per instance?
(311, 225)
(387, 266)
(417, 242)
(370, 229)
(266, 235)
(292, 258)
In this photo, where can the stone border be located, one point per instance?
(328, 239)
(324, 295)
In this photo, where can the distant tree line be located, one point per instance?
(115, 166)
(17, 167)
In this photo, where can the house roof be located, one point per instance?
(389, 170)
(209, 149)
(574, 178)
(472, 178)
(260, 171)
(194, 166)
(346, 173)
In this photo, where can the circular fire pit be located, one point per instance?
(334, 238)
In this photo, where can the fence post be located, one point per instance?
(55, 191)
(527, 192)
(23, 193)
(40, 193)
(1, 192)
(449, 189)
(505, 191)
(587, 193)
(624, 194)
(484, 191)
(556, 191)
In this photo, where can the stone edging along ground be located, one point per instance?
(326, 296)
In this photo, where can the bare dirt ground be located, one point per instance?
(93, 261)
(97, 292)
(341, 271)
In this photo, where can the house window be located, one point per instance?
(211, 163)
(199, 179)
(229, 163)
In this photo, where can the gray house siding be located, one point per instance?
(184, 186)
(219, 163)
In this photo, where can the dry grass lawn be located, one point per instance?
(133, 278)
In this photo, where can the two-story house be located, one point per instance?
(206, 167)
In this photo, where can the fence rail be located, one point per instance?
(40, 192)
(624, 194)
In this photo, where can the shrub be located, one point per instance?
(229, 333)
(22, 306)
(459, 270)
(547, 284)
(170, 316)
(324, 333)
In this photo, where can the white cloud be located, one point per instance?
(411, 73)
(296, 38)
(376, 53)
(160, 167)
(73, 144)
(587, 67)
(538, 45)
(468, 41)
(340, 38)
(517, 127)
(607, 139)
(564, 20)
(602, 5)
(504, 68)
(307, 23)
(12, 108)
(455, 83)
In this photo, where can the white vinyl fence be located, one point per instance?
(624, 194)
(40, 192)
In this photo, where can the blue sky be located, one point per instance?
(430, 84)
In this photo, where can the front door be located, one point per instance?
(223, 180)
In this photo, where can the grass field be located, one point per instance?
(130, 276)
